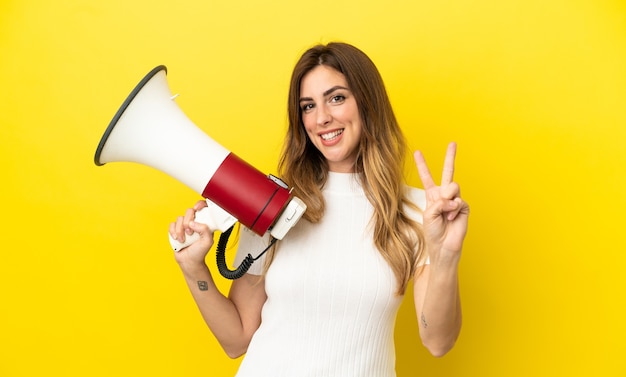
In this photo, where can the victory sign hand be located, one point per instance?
(446, 214)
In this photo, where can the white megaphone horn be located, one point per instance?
(150, 129)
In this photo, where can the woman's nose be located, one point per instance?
(323, 116)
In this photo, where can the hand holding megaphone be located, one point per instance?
(212, 216)
(150, 129)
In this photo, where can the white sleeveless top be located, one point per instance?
(331, 297)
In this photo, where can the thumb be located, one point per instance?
(200, 228)
(205, 234)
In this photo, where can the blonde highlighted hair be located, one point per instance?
(379, 164)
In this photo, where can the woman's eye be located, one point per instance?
(337, 98)
(307, 106)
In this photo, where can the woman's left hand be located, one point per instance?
(446, 214)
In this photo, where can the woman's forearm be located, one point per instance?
(440, 316)
(219, 312)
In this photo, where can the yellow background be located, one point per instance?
(533, 91)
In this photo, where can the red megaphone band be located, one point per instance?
(241, 190)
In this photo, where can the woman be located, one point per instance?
(325, 300)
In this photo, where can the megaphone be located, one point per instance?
(150, 129)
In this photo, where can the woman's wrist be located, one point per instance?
(444, 258)
(194, 269)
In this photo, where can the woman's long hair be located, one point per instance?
(379, 163)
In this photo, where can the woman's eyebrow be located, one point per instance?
(329, 91)
(336, 87)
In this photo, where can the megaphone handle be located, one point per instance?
(189, 239)
(213, 216)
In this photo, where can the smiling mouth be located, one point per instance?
(331, 135)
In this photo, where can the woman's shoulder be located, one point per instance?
(251, 243)
(416, 196)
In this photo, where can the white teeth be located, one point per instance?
(331, 135)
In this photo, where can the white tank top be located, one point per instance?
(332, 302)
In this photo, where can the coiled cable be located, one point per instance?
(220, 255)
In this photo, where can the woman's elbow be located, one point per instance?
(439, 347)
(236, 349)
(235, 352)
(440, 350)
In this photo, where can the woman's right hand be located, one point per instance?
(193, 255)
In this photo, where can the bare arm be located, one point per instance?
(436, 289)
(438, 307)
(233, 319)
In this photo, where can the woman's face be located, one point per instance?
(331, 117)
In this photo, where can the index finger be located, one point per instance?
(200, 204)
(423, 171)
(448, 165)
